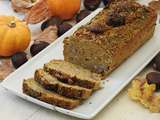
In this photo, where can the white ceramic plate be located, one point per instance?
(115, 82)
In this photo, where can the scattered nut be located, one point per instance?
(19, 59)
(37, 47)
(64, 27)
(81, 15)
(51, 21)
(156, 62)
(154, 78)
(92, 4)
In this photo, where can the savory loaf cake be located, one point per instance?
(51, 83)
(73, 74)
(111, 37)
(32, 88)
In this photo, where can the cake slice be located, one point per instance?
(33, 89)
(51, 83)
(73, 74)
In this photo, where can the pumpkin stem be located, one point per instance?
(12, 24)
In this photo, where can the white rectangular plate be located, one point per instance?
(112, 85)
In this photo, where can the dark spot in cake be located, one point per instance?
(145, 10)
(70, 81)
(86, 59)
(71, 58)
(115, 20)
(100, 69)
(74, 51)
(51, 87)
(97, 30)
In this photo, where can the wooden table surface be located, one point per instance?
(121, 108)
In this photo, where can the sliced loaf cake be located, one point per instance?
(73, 74)
(34, 89)
(51, 83)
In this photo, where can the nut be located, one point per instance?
(81, 15)
(97, 28)
(64, 27)
(154, 78)
(19, 59)
(156, 62)
(92, 4)
(115, 20)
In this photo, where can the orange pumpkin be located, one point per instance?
(15, 35)
(64, 9)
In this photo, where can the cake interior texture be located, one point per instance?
(73, 74)
(62, 84)
(34, 89)
(111, 37)
(51, 83)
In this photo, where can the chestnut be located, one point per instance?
(154, 78)
(91, 4)
(52, 21)
(81, 15)
(64, 27)
(37, 47)
(19, 59)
